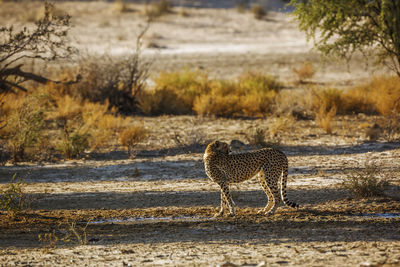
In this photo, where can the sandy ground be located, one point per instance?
(157, 209)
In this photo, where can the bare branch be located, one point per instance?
(46, 41)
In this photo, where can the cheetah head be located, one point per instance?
(218, 147)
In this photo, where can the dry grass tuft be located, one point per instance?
(131, 136)
(305, 72)
(34, 13)
(241, 6)
(280, 124)
(325, 118)
(24, 126)
(379, 96)
(220, 101)
(384, 93)
(258, 11)
(158, 9)
(325, 105)
(174, 93)
(120, 6)
(258, 138)
(373, 133)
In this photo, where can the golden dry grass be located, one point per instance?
(252, 94)
(383, 92)
(174, 92)
(131, 136)
(74, 124)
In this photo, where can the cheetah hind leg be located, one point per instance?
(272, 183)
(267, 191)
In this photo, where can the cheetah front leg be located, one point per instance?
(226, 201)
(223, 206)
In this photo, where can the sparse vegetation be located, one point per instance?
(280, 124)
(191, 139)
(49, 240)
(325, 103)
(241, 6)
(66, 232)
(74, 232)
(325, 118)
(368, 182)
(258, 138)
(12, 197)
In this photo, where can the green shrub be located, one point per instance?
(12, 198)
(74, 144)
(366, 183)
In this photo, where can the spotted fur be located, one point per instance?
(268, 164)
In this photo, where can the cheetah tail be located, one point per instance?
(283, 190)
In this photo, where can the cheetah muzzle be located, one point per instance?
(270, 166)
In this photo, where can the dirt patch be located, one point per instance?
(331, 232)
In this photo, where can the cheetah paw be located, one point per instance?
(261, 211)
(218, 214)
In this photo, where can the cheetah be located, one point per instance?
(268, 164)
